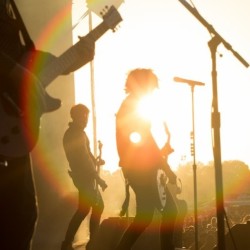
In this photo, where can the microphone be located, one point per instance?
(190, 82)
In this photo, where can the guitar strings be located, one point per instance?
(80, 19)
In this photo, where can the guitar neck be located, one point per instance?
(167, 132)
(99, 156)
(69, 57)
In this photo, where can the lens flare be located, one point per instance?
(135, 137)
(48, 40)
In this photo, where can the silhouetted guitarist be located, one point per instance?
(20, 119)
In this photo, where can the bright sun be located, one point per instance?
(138, 43)
(150, 108)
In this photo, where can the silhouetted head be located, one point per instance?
(140, 81)
(79, 114)
(78, 110)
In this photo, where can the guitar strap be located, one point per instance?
(29, 44)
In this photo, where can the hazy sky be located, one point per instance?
(165, 36)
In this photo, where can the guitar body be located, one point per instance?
(20, 127)
(162, 185)
(18, 135)
(165, 188)
(22, 103)
(24, 99)
(173, 189)
(162, 179)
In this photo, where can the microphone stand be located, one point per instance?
(192, 137)
(192, 147)
(215, 117)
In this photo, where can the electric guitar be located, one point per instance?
(101, 6)
(99, 163)
(99, 160)
(162, 179)
(20, 122)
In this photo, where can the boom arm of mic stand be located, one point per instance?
(213, 31)
(215, 41)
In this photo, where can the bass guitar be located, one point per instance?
(20, 115)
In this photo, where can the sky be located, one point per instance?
(166, 37)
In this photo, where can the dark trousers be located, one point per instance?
(88, 199)
(18, 211)
(147, 200)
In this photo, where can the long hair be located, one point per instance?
(141, 80)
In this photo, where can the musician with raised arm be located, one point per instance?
(140, 159)
(18, 211)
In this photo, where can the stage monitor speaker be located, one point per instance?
(112, 229)
(239, 238)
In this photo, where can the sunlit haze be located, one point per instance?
(165, 36)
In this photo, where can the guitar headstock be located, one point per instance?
(111, 18)
(101, 7)
(100, 146)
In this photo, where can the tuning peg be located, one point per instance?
(116, 28)
(104, 10)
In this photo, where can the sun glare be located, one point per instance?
(135, 137)
(150, 108)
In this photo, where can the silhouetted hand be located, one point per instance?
(167, 150)
(85, 51)
(100, 161)
(170, 173)
(86, 48)
(102, 184)
(172, 178)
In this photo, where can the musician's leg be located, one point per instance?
(17, 204)
(182, 211)
(95, 218)
(75, 222)
(167, 228)
(145, 207)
